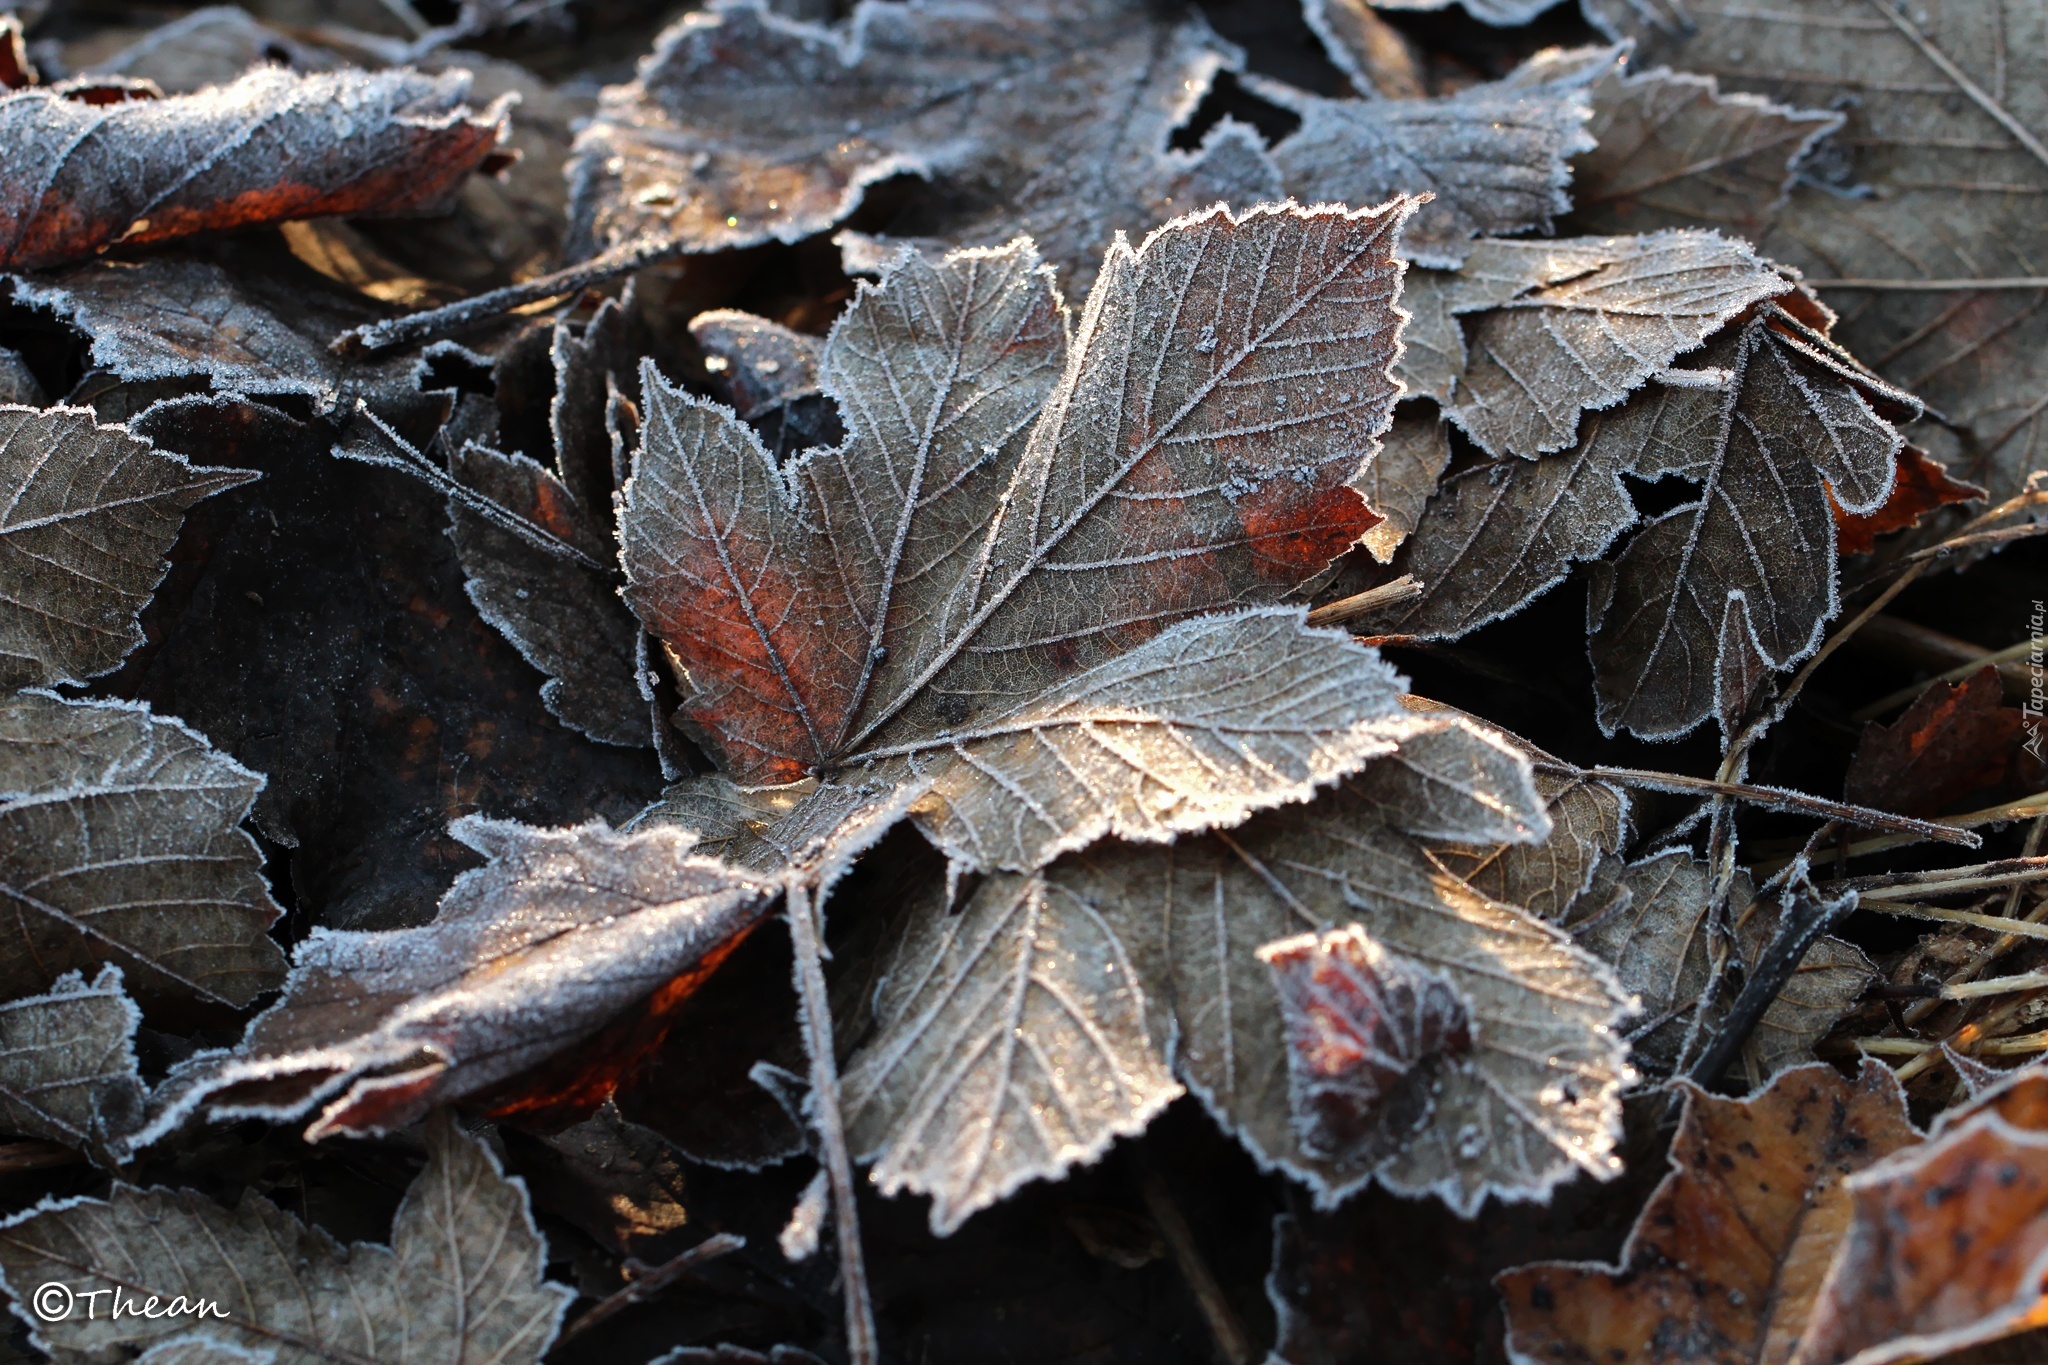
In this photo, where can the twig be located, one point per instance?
(861, 1345)
(1804, 915)
(1995, 985)
(1944, 286)
(1403, 589)
(606, 265)
(2025, 808)
(652, 1282)
(1956, 674)
(1947, 881)
(1954, 543)
(33, 1155)
(2017, 928)
(1780, 799)
(1233, 1345)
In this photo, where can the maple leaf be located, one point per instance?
(1775, 1165)
(271, 147)
(559, 934)
(461, 1279)
(1671, 150)
(1931, 179)
(1020, 1035)
(1649, 920)
(552, 594)
(124, 843)
(1496, 156)
(91, 511)
(67, 1063)
(1922, 486)
(746, 126)
(970, 591)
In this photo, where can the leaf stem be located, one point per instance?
(1797, 803)
(826, 1121)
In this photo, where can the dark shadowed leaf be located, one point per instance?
(91, 511)
(123, 843)
(1957, 741)
(461, 1279)
(559, 934)
(67, 1063)
(273, 146)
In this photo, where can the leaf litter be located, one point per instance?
(1066, 518)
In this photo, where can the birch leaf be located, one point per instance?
(1495, 156)
(271, 147)
(560, 934)
(123, 843)
(1004, 517)
(1933, 177)
(91, 511)
(67, 1063)
(461, 1279)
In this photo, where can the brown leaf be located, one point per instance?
(1933, 177)
(273, 146)
(1957, 740)
(555, 938)
(123, 843)
(1398, 483)
(1671, 150)
(1947, 1247)
(1922, 486)
(1495, 156)
(91, 511)
(67, 1064)
(1051, 118)
(1726, 1261)
(461, 1280)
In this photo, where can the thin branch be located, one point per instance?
(1804, 915)
(861, 1345)
(1895, 286)
(1796, 803)
(1233, 1344)
(2025, 808)
(1956, 674)
(1403, 589)
(652, 1282)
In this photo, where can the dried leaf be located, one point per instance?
(212, 46)
(536, 952)
(461, 1279)
(67, 1063)
(1955, 741)
(123, 843)
(1726, 1261)
(271, 147)
(91, 511)
(1495, 156)
(1922, 486)
(1671, 150)
(617, 1181)
(1654, 933)
(1933, 177)
(1794, 425)
(1050, 118)
(933, 590)
(1502, 13)
(755, 365)
(1397, 484)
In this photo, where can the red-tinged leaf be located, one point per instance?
(1726, 1260)
(1957, 741)
(270, 148)
(537, 953)
(1922, 485)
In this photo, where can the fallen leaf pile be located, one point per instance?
(870, 680)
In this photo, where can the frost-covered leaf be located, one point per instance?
(1574, 326)
(755, 365)
(1012, 1042)
(1725, 1262)
(746, 126)
(67, 1063)
(121, 842)
(461, 1280)
(1495, 156)
(272, 146)
(90, 513)
(1935, 175)
(1654, 933)
(1671, 150)
(556, 937)
(1794, 425)
(1397, 484)
(963, 556)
